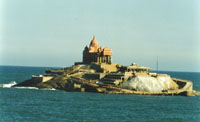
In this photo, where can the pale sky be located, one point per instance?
(55, 32)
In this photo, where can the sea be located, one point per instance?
(33, 105)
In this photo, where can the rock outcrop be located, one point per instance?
(98, 78)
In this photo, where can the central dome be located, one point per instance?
(93, 45)
(94, 42)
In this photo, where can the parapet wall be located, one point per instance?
(108, 67)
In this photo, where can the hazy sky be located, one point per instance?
(55, 32)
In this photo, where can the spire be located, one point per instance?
(86, 47)
(94, 37)
(93, 45)
(94, 42)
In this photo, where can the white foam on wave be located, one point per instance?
(47, 89)
(35, 88)
(12, 83)
(22, 87)
(8, 85)
(27, 87)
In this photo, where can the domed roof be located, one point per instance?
(94, 42)
(93, 45)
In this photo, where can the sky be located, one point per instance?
(53, 33)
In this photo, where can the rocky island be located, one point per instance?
(97, 73)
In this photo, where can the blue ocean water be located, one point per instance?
(47, 105)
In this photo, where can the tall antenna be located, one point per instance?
(157, 65)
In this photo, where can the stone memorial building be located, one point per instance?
(96, 54)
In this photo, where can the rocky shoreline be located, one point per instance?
(91, 78)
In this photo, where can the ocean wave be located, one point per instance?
(12, 83)
(8, 85)
(47, 89)
(35, 88)
(22, 87)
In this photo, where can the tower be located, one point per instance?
(96, 54)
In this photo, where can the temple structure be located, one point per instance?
(96, 54)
